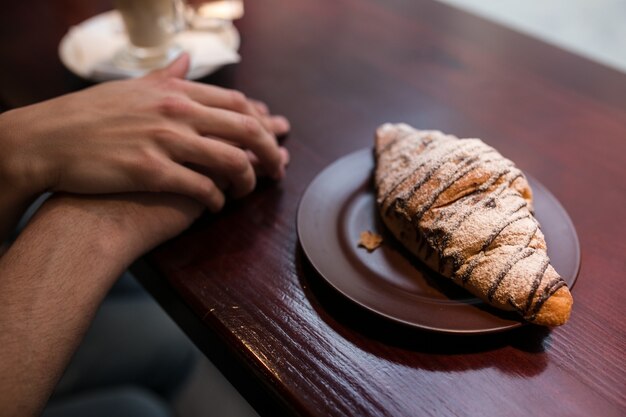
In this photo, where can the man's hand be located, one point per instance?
(143, 135)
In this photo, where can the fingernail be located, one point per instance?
(281, 124)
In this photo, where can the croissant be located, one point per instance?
(466, 211)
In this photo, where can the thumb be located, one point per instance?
(178, 68)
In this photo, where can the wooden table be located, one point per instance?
(238, 282)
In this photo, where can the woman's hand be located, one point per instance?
(143, 135)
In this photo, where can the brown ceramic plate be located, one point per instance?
(339, 204)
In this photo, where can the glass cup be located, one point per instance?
(151, 26)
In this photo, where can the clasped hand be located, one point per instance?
(159, 133)
(158, 148)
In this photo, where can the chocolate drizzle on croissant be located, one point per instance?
(461, 200)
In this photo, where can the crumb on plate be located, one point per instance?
(370, 240)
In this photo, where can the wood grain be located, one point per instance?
(245, 293)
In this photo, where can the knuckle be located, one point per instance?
(154, 176)
(241, 172)
(173, 106)
(204, 189)
(213, 195)
(251, 126)
(238, 100)
(238, 162)
(169, 83)
(164, 133)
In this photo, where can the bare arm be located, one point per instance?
(55, 275)
(159, 134)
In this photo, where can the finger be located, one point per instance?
(178, 68)
(181, 180)
(286, 155)
(213, 96)
(260, 107)
(258, 169)
(244, 130)
(279, 125)
(218, 160)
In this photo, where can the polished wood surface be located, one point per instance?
(240, 286)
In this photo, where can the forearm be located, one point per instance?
(57, 272)
(52, 280)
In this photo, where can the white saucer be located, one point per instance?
(87, 49)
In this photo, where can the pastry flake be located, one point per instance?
(370, 240)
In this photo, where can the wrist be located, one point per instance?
(120, 227)
(16, 193)
(90, 228)
(22, 173)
